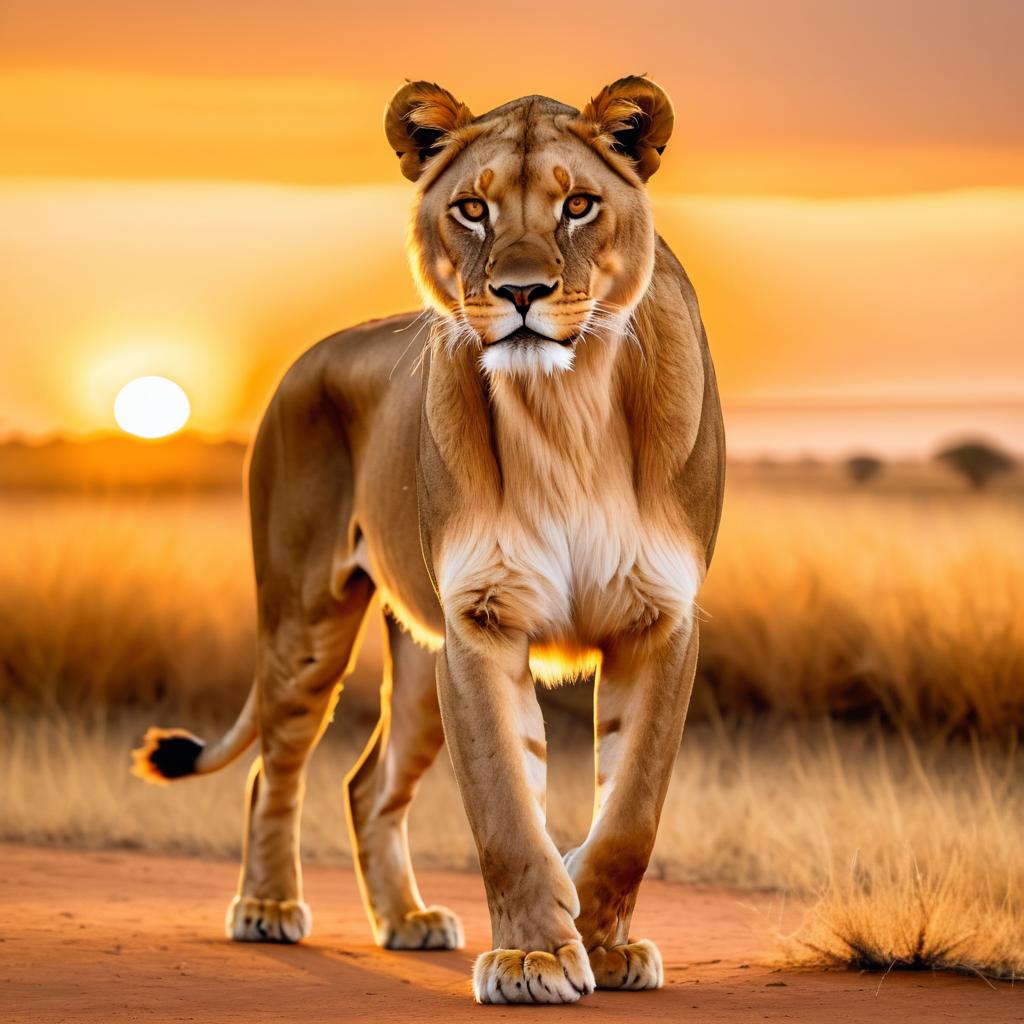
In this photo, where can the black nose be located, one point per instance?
(522, 295)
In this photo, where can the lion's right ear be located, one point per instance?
(418, 120)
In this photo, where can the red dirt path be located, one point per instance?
(100, 937)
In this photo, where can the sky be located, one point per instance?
(203, 190)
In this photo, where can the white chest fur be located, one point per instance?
(569, 578)
(565, 552)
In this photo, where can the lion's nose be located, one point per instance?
(522, 295)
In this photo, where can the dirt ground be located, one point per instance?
(131, 937)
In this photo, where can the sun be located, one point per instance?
(151, 407)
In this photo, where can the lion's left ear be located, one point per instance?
(635, 117)
(418, 122)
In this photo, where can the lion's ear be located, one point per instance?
(418, 119)
(634, 117)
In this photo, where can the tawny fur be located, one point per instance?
(517, 507)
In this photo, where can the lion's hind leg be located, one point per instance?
(301, 665)
(378, 792)
(312, 599)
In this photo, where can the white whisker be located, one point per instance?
(615, 320)
(422, 319)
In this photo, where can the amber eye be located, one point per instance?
(472, 209)
(577, 207)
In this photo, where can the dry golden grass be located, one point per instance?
(901, 605)
(906, 854)
(897, 608)
(125, 601)
(862, 603)
(928, 872)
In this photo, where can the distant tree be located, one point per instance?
(976, 461)
(863, 468)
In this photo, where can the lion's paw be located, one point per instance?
(253, 920)
(632, 967)
(513, 976)
(432, 928)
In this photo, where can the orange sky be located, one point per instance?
(202, 189)
(793, 95)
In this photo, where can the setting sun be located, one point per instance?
(151, 407)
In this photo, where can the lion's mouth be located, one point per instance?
(524, 336)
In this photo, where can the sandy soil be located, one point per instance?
(131, 937)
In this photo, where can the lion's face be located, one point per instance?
(533, 229)
(530, 240)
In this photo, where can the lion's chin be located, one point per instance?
(524, 353)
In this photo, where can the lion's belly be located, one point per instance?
(570, 583)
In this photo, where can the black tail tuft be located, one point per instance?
(166, 754)
(175, 756)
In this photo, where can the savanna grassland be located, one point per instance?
(853, 743)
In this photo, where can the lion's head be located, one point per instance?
(532, 227)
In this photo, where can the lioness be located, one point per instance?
(534, 493)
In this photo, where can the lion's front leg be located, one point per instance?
(495, 734)
(641, 705)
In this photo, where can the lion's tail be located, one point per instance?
(168, 754)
